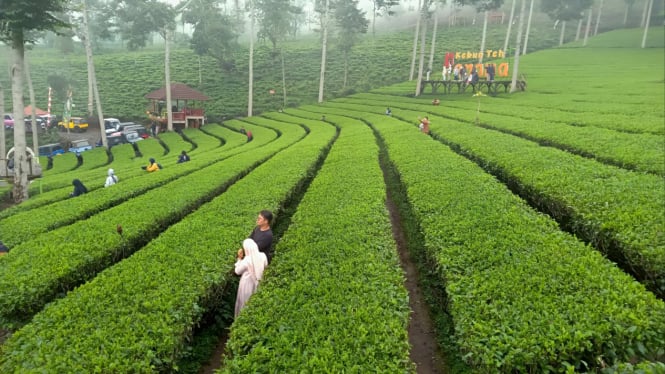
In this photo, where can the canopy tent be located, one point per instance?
(27, 111)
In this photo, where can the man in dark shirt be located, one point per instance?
(262, 234)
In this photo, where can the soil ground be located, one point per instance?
(425, 352)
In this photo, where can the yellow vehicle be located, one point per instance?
(76, 124)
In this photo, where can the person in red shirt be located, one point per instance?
(424, 125)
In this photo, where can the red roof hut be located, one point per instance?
(182, 113)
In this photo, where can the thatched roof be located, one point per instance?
(179, 91)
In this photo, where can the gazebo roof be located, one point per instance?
(179, 91)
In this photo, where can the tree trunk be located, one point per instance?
(423, 33)
(324, 47)
(415, 42)
(510, 24)
(21, 167)
(625, 14)
(33, 114)
(281, 52)
(373, 19)
(346, 69)
(167, 78)
(646, 23)
(434, 30)
(484, 37)
(93, 75)
(3, 141)
(644, 13)
(600, 10)
(250, 82)
(563, 32)
(528, 28)
(588, 27)
(579, 29)
(516, 62)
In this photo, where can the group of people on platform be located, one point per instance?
(460, 73)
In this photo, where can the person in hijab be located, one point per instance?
(111, 179)
(152, 166)
(79, 188)
(184, 157)
(249, 266)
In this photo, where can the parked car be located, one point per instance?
(28, 123)
(51, 150)
(122, 125)
(9, 121)
(111, 125)
(80, 146)
(76, 124)
(132, 137)
(115, 139)
(50, 120)
(142, 131)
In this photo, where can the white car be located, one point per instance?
(132, 137)
(111, 125)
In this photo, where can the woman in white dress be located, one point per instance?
(250, 266)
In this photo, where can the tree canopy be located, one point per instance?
(19, 17)
(565, 10)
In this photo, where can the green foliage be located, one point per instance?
(19, 17)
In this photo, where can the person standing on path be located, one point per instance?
(250, 265)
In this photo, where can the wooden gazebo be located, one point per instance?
(182, 113)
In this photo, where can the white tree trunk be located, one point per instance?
(92, 76)
(600, 10)
(588, 27)
(625, 15)
(434, 30)
(346, 69)
(510, 24)
(516, 61)
(563, 32)
(31, 93)
(3, 141)
(644, 13)
(167, 78)
(579, 29)
(528, 28)
(250, 83)
(646, 23)
(324, 47)
(415, 42)
(281, 52)
(423, 34)
(373, 19)
(484, 37)
(21, 167)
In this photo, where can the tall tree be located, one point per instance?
(424, 15)
(33, 114)
(275, 19)
(588, 27)
(17, 19)
(215, 33)
(139, 19)
(435, 25)
(351, 22)
(381, 8)
(415, 39)
(600, 11)
(510, 24)
(516, 61)
(566, 10)
(629, 6)
(92, 77)
(250, 94)
(325, 21)
(483, 6)
(2, 128)
(646, 23)
(528, 28)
